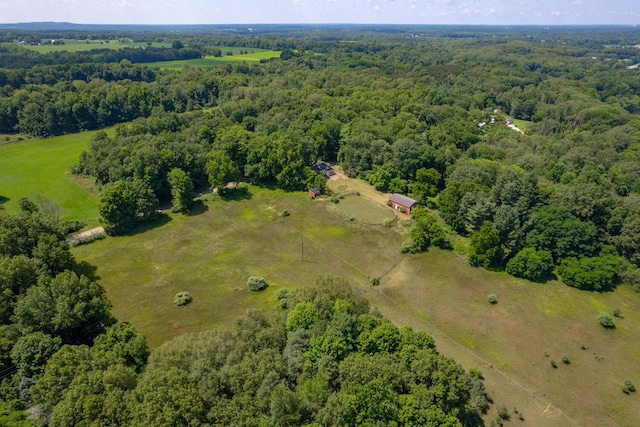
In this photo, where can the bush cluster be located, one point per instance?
(606, 320)
(256, 284)
(182, 298)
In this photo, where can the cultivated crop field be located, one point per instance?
(39, 170)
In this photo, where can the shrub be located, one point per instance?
(554, 364)
(496, 422)
(256, 284)
(606, 320)
(503, 412)
(335, 200)
(403, 210)
(628, 386)
(492, 298)
(375, 281)
(283, 298)
(182, 298)
(284, 213)
(565, 359)
(617, 313)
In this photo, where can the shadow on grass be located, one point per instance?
(547, 278)
(160, 220)
(197, 208)
(235, 194)
(88, 270)
(4, 199)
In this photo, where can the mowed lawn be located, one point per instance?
(364, 209)
(39, 170)
(212, 252)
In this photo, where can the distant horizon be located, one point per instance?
(319, 12)
(308, 24)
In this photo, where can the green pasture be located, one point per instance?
(523, 125)
(517, 338)
(213, 61)
(39, 170)
(85, 45)
(364, 210)
(213, 251)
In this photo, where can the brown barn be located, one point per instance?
(314, 192)
(399, 201)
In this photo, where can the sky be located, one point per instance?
(468, 12)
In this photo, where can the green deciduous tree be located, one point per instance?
(590, 273)
(125, 204)
(221, 170)
(531, 264)
(69, 306)
(484, 250)
(181, 190)
(31, 352)
(303, 316)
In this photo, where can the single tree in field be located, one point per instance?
(181, 190)
(221, 170)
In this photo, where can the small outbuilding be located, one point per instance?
(399, 201)
(314, 192)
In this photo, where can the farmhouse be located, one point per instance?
(323, 167)
(399, 201)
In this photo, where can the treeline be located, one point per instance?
(325, 360)
(72, 106)
(50, 75)
(13, 56)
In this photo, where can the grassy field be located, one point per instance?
(212, 253)
(39, 170)
(364, 209)
(514, 341)
(212, 61)
(86, 45)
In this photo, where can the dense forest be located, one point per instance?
(524, 144)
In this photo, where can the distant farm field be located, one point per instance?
(39, 170)
(213, 61)
(86, 45)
